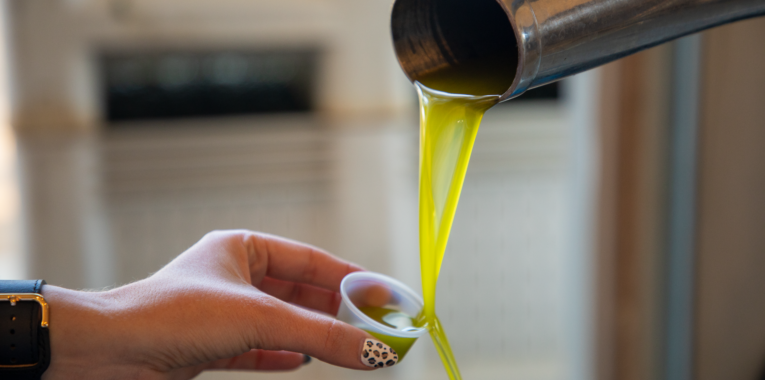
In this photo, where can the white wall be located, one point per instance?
(55, 44)
(12, 265)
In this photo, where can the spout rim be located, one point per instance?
(525, 31)
(529, 45)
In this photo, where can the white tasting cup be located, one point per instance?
(354, 289)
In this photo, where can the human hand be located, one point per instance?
(225, 303)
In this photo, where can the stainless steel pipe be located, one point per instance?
(542, 41)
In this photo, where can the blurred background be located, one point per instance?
(611, 225)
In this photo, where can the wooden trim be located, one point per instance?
(730, 304)
(634, 123)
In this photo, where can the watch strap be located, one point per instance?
(24, 343)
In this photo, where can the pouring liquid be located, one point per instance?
(449, 121)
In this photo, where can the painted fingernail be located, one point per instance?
(377, 354)
(306, 359)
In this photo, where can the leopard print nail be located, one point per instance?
(377, 354)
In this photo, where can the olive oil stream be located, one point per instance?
(452, 104)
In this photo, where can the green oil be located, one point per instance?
(394, 319)
(452, 104)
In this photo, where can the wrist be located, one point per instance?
(79, 333)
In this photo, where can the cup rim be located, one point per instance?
(387, 280)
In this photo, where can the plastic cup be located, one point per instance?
(368, 289)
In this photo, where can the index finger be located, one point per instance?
(294, 261)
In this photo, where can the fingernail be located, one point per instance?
(377, 354)
(306, 359)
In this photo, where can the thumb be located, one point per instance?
(327, 339)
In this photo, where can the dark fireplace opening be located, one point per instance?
(177, 84)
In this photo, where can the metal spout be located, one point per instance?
(541, 41)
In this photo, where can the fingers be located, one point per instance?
(292, 261)
(371, 294)
(305, 295)
(261, 360)
(294, 329)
